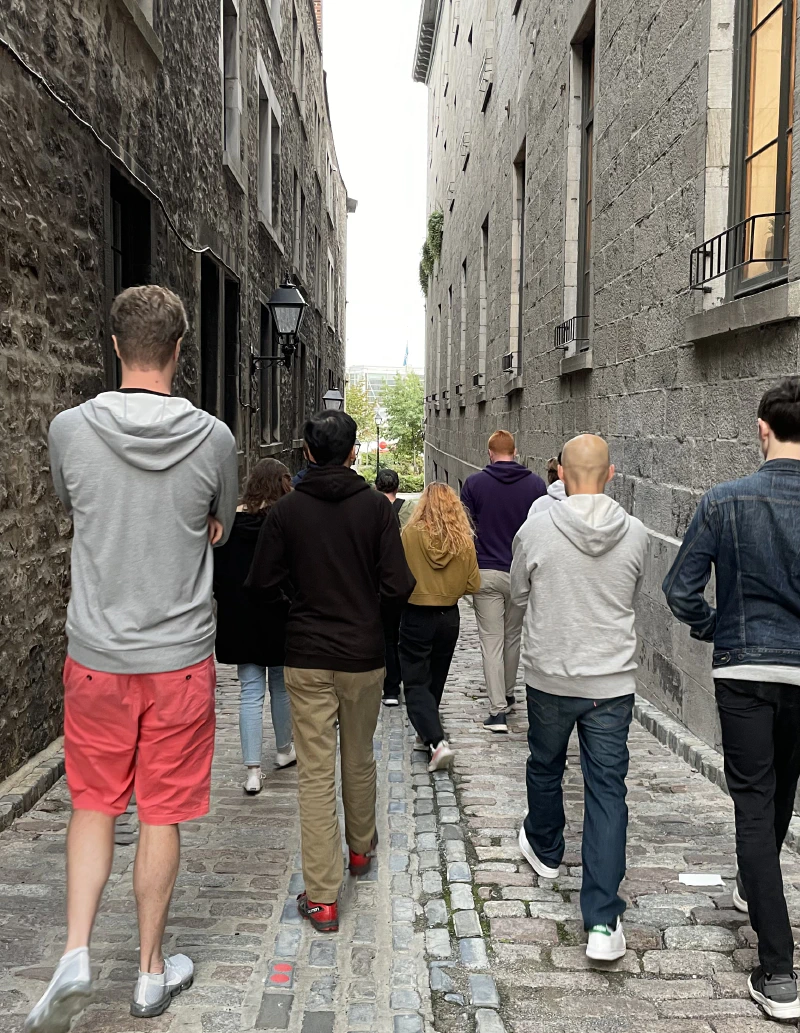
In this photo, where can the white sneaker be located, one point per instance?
(253, 784)
(153, 993)
(442, 757)
(68, 993)
(542, 870)
(285, 758)
(605, 943)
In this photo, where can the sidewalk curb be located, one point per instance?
(32, 786)
(677, 738)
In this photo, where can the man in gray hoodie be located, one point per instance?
(148, 480)
(576, 569)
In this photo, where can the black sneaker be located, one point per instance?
(511, 700)
(496, 723)
(391, 700)
(739, 895)
(777, 995)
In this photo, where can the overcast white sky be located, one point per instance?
(379, 125)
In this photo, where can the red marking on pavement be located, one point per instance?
(279, 977)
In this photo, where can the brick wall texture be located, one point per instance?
(679, 416)
(155, 95)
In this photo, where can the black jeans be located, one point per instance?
(391, 637)
(603, 734)
(761, 741)
(428, 636)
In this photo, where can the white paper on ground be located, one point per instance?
(699, 879)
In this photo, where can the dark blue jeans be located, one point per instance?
(603, 734)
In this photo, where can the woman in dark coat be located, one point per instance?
(251, 624)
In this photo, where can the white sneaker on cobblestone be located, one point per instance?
(541, 869)
(285, 758)
(68, 993)
(153, 993)
(605, 943)
(442, 757)
(253, 782)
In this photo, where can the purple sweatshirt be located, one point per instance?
(498, 499)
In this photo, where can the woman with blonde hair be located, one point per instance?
(440, 551)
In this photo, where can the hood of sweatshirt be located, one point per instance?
(508, 473)
(332, 483)
(437, 557)
(593, 523)
(557, 491)
(247, 526)
(148, 431)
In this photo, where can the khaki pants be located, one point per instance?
(318, 698)
(500, 630)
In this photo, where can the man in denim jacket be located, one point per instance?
(749, 530)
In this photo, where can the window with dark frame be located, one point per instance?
(587, 170)
(231, 83)
(763, 142)
(518, 261)
(131, 249)
(209, 334)
(230, 355)
(300, 390)
(270, 374)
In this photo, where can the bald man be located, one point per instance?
(576, 570)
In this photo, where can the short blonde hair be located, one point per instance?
(502, 442)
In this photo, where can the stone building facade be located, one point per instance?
(616, 255)
(193, 148)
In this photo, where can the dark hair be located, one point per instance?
(147, 322)
(387, 481)
(269, 481)
(780, 408)
(330, 435)
(552, 470)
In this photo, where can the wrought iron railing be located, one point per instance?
(751, 242)
(573, 331)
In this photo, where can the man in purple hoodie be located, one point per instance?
(498, 499)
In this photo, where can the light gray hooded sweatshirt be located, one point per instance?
(140, 473)
(577, 568)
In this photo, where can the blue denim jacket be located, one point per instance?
(750, 531)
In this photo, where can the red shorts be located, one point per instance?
(150, 732)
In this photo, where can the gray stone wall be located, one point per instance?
(679, 413)
(155, 95)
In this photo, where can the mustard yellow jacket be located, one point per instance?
(442, 578)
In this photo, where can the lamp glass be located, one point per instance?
(333, 399)
(287, 305)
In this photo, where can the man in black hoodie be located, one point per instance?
(338, 543)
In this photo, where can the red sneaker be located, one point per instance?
(360, 864)
(324, 917)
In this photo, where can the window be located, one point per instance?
(318, 267)
(300, 390)
(219, 342)
(318, 384)
(270, 383)
(462, 346)
(209, 334)
(274, 11)
(438, 354)
(269, 151)
(331, 298)
(301, 89)
(483, 306)
(302, 263)
(586, 185)
(130, 240)
(230, 363)
(514, 358)
(449, 342)
(295, 47)
(764, 162)
(329, 183)
(232, 92)
(296, 222)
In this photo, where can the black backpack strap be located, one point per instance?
(397, 505)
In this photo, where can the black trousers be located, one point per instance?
(428, 636)
(761, 740)
(391, 639)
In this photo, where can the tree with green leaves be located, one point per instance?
(358, 404)
(404, 403)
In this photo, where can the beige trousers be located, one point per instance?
(318, 698)
(500, 631)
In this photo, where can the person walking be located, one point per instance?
(387, 482)
(139, 677)
(498, 499)
(251, 624)
(555, 489)
(440, 551)
(577, 568)
(748, 531)
(338, 543)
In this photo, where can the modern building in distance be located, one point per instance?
(617, 254)
(376, 378)
(212, 170)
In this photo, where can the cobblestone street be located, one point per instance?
(450, 931)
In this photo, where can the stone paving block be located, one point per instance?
(454, 850)
(296, 884)
(280, 975)
(451, 832)
(364, 931)
(466, 923)
(700, 937)
(524, 930)
(439, 979)
(488, 1021)
(321, 992)
(461, 898)
(449, 815)
(290, 915)
(483, 992)
(707, 1009)
(404, 1000)
(401, 883)
(402, 909)
(404, 973)
(437, 943)
(408, 1024)
(402, 936)
(425, 823)
(428, 859)
(473, 953)
(685, 963)
(427, 841)
(505, 909)
(431, 883)
(575, 958)
(399, 840)
(459, 871)
(322, 954)
(361, 961)
(318, 1022)
(361, 1014)
(398, 862)
(436, 912)
(275, 1011)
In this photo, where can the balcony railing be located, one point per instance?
(573, 331)
(750, 243)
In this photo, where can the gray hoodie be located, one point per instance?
(140, 473)
(577, 568)
(555, 494)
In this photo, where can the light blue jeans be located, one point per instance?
(251, 710)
